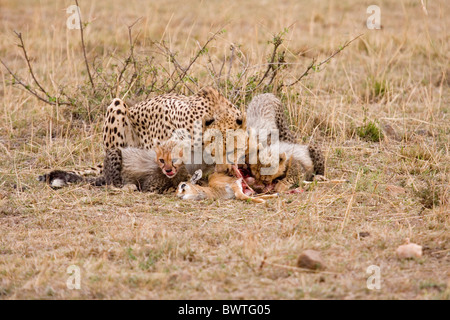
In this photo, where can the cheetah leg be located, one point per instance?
(117, 133)
(117, 128)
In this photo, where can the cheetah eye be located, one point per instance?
(209, 122)
(161, 160)
(239, 122)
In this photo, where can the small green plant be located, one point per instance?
(130, 254)
(339, 152)
(370, 131)
(151, 260)
(379, 89)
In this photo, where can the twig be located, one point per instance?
(199, 53)
(278, 40)
(84, 47)
(33, 92)
(326, 181)
(304, 74)
(128, 60)
(178, 68)
(221, 67)
(296, 269)
(132, 44)
(231, 61)
(314, 66)
(30, 69)
(211, 70)
(280, 64)
(350, 203)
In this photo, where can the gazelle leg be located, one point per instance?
(237, 189)
(267, 196)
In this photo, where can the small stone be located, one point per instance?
(423, 132)
(410, 250)
(310, 259)
(391, 132)
(364, 234)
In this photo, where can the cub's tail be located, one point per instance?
(318, 159)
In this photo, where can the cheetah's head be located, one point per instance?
(221, 122)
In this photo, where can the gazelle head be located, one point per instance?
(190, 190)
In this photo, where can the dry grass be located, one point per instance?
(392, 84)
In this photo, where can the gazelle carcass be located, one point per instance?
(220, 186)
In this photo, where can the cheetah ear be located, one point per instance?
(244, 121)
(196, 176)
(211, 93)
(207, 121)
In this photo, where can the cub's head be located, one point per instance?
(169, 156)
(270, 166)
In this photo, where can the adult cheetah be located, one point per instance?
(157, 119)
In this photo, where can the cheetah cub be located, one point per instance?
(220, 186)
(266, 112)
(159, 170)
(296, 163)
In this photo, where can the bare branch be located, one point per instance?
(278, 40)
(199, 53)
(314, 66)
(33, 92)
(178, 68)
(304, 74)
(339, 50)
(30, 69)
(129, 59)
(84, 47)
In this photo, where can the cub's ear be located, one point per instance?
(260, 147)
(282, 157)
(196, 176)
